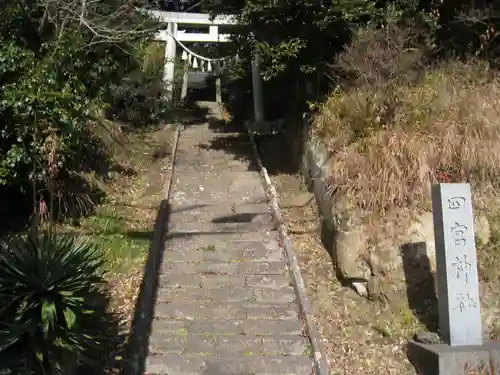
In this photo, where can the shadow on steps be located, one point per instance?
(138, 343)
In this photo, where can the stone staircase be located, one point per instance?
(225, 304)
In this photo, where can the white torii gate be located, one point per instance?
(172, 33)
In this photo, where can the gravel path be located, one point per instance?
(225, 303)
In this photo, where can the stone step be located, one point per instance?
(226, 164)
(198, 239)
(224, 241)
(188, 226)
(229, 365)
(195, 310)
(225, 268)
(179, 198)
(210, 253)
(182, 294)
(211, 281)
(247, 213)
(229, 345)
(257, 206)
(253, 327)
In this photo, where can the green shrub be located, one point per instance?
(56, 74)
(138, 101)
(52, 312)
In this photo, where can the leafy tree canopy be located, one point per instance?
(303, 36)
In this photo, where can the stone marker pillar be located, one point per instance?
(456, 265)
(463, 351)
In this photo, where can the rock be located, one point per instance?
(375, 262)
(342, 233)
(421, 234)
(385, 259)
(305, 166)
(380, 289)
(420, 239)
(374, 290)
(428, 338)
(360, 288)
(345, 215)
(350, 248)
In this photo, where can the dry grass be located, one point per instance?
(394, 132)
(402, 124)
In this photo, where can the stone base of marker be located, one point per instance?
(443, 359)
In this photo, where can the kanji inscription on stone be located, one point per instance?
(456, 265)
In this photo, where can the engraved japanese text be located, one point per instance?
(464, 301)
(462, 267)
(458, 233)
(456, 202)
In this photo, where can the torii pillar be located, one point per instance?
(170, 51)
(258, 100)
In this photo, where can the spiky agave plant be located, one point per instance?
(49, 314)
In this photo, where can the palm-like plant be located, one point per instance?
(49, 314)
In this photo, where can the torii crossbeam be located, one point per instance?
(193, 20)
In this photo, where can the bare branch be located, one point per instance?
(476, 16)
(82, 12)
(105, 28)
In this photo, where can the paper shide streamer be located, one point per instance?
(206, 64)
